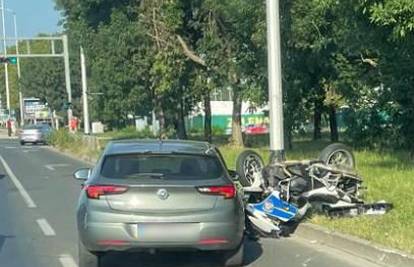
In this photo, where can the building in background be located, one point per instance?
(255, 120)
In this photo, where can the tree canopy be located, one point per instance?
(167, 56)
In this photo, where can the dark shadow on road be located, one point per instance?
(3, 240)
(253, 251)
(2, 176)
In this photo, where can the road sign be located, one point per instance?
(67, 105)
(9, 60)
(12, 60)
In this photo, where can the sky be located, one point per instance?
(33, 17)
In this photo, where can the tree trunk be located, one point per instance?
(317, 118)
(236, 129)
(333, 124)
(207, 118)
(180, 126)
(180, 122)
(290, 138)
(161, 118)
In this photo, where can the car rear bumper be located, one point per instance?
(31, 138)
(168, 236)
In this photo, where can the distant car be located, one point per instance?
(256, 129)
(150, 195)
(34, 133)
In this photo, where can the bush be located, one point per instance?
(218, 131)
(128, 133)
(62, 139)
(372, 128)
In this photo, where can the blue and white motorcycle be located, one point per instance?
(278, 196)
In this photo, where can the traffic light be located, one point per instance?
(9, 60)
(67, 105)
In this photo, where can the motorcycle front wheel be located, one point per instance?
(249, 166)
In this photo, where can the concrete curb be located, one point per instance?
(356, 246)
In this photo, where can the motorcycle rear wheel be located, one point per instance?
(338, 155)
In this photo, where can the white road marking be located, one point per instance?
(53, 167)
(305, 263)
(67, 260)
(31, 150)
(45, 227)
(10, 147)
(29, 201)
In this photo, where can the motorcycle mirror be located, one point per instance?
(234, 175)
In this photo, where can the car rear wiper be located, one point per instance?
(154, 175)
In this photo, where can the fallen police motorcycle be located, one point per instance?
(278, 196)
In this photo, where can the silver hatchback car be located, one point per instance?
(34, 133)
(149, 195)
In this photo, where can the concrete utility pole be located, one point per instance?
(67, 75)
(84, 93)
(6, 70)
(277, 147)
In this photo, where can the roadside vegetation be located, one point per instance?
(389, 175)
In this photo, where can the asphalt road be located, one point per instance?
(38, 197)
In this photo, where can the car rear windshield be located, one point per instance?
(156, 166)
(171, 166)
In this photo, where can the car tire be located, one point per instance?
(22, 143)
(338, 155)
(247, 162)
(234, 258)
(88, 258)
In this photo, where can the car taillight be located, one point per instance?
(227, 191)
(95, 191)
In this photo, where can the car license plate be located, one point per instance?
(167, 232)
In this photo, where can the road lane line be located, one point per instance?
(45, 227)
(29, 201)
(53, 167)
(30, 150)
(67, 260)
(49, 167)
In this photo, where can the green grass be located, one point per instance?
(388, 175)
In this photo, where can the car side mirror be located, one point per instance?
(234, 175)
(82, 174)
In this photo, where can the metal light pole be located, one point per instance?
(18, 71)
(18, 63)
(6, 70)
(84, 93)
(277, 147)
